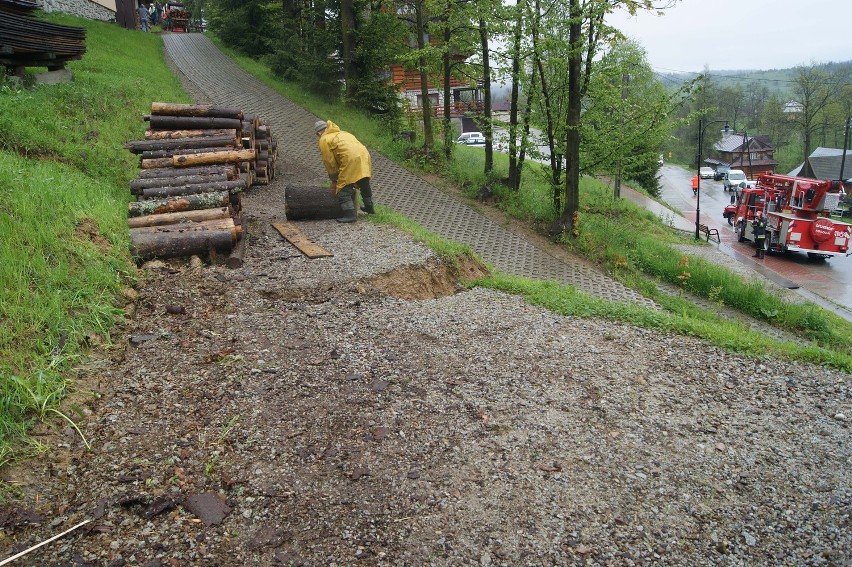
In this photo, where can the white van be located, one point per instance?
(733, 179)
(471, 138)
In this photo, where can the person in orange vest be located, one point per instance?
(694, 184)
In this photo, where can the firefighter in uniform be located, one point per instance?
(758, 227)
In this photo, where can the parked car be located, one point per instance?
(721, 171)
(471, 138)
(706, 172)
(733, 179)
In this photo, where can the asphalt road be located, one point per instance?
(826, 282)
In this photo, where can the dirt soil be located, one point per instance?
(367, 409)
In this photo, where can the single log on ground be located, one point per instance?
(235, 156)
(180, 217)
(148, 245)
(233, 186)
(229, 170)
(192, 123)
(139, 146)
(171, 134)
(238, 252)
(310, 202)
(176, 204)
(137, 185)
(211, 110)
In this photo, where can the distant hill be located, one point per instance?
(776, 80)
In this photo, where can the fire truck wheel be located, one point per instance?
(731, 220)
(741, 231)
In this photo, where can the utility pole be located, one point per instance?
(845, 145)
(625, 78)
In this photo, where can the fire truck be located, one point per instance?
(797, 212)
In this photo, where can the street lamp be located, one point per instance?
(701, 128)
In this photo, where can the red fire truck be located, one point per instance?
(797, 212)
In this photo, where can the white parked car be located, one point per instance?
(706, 172)
(733, 179)
(471, 138)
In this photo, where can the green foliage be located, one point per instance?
(63, 213)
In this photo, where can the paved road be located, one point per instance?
(826, 282)
(218, 79)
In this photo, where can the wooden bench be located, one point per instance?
(714, 232)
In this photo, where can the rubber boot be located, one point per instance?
(347, 204)
(366, 196)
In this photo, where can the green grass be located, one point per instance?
(63, 214)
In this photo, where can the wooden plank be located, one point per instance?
(298, 239)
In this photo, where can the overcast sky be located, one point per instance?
(742, 34)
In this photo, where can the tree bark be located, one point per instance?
(202, 241)
(214, 157)
(139, 146)
(137, 185)
(229, 170)
(205, 110)
(234, 186)
(310, 202)
(176, 204)
(172, 134)
(180, 217)
(193, 123)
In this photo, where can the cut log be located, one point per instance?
(154, 154)
(180, 217)
(229, 170)
(237, 256)
(211, 224)
(147, 245)
(235, 156)
(233, 186)
(192, 123)
(172, 134)
(211, 110)
(137, 185)
(310, 202)
(156, 163)
(176, 204)
(139, 146)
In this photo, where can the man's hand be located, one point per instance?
(333, 187)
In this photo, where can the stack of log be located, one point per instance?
(196, 160)
(29, 42)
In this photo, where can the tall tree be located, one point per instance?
(814, 89)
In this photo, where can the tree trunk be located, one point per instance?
(486, 126)
(193, 123)
(148, 245)
(172, 134)
(214, 157)
(572, 142)
(229, 170)
(180, 217)
(139, 146)
(310, 203)
(137, 185)
(177, 204)
(205, 110)
(231, 187)
(428, 136)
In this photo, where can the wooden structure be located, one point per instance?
(29, 42)
(196, 160)
(752, 154)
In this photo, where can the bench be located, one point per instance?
(714, 232)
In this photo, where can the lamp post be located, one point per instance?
(701, 128)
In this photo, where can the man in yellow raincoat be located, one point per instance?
(348, 164)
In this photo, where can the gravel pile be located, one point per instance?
(297, 412)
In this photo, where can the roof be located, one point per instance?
(823, 152)
(827, 168)
(734, 142)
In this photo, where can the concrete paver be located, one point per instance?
(222, 81)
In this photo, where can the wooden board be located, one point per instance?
(298, 239)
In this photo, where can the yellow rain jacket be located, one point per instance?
(345, 158)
